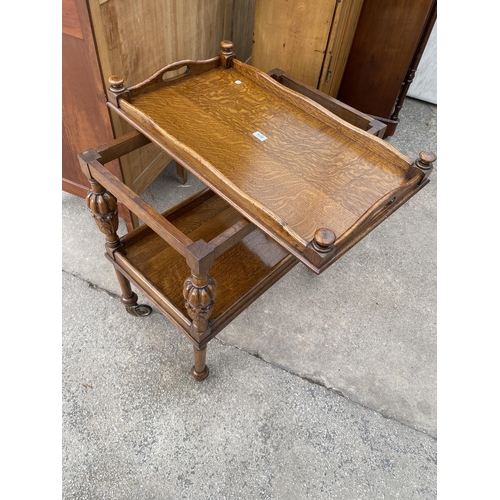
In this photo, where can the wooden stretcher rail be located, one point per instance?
(121, 146)
(143, 210)
(92, 163)
(231, 236)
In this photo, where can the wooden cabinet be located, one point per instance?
(390, 39)
(310, 40)
(133, 38)
(83, 96)
(363, 52)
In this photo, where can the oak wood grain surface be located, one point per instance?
(307, 174)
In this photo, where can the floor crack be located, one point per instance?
(257, 355)
(92, 285)
(319, 382)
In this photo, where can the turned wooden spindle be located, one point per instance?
(200, 370)
(129, 298)
(324, 240)
(226, 53)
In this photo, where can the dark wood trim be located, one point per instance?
(415, 61)
(338, 108)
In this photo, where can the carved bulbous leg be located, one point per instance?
(199, 296)
(104, 209)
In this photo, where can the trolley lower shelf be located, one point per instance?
(242, 273)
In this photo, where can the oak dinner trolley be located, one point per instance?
(287, 181)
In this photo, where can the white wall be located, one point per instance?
(424, 85)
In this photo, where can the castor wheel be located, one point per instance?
(140, 310)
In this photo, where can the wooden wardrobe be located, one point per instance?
(387, 47)
(363, 52)
(308, 39)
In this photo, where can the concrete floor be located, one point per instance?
(323, 388)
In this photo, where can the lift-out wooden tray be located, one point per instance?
(287, 180)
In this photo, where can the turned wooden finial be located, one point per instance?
(427, 158)
(227, 46)
(226, 53)
(424, 164)
(116, 83)
(324, 240)
(117, 89)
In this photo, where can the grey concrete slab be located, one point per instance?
(137, 426)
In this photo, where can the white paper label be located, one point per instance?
(260, 136)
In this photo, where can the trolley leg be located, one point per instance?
(129, 298)
(200, 369)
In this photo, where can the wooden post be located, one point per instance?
(200, 291)
(181, 173)
(129, 298)
(199, 294)
(200, 369)
(104, 209)
(226, 54)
